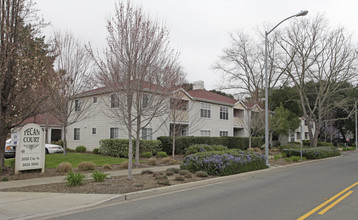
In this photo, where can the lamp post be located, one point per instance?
(355, 106)
(302, 13)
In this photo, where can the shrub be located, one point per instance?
(277, 156)
(175, 170)
(152, 161)
(201, 174)
(119, 147)
(169, 173)
(188, 175)
(124, 165)
(224, 163)
(168, 161)
(160, 177)
(146, 154)
(5, 179)
(74, 179)
(313, 153)
(183, 172)
(96, 151)
(59, 142)
(107, 167)
(196, 148)
(164, 182)
(348, 148)
(147, 172)
(184, 142)
(295, 158)
(80, 149)
(64, 167)
(84, 166)
(99, 176)
(179, 178)
(162, 154)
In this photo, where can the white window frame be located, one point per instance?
(205, 133)
(113, 98)
(113, 134)
(224, 113)
(75, 137)
(147, 133)
(77, 105)
(205, 110)
(224, 133)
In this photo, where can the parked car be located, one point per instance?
(53, 148)
(10, 149)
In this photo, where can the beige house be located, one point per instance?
(190, 113)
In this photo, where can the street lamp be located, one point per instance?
(302, 13)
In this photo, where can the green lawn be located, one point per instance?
(53, 160)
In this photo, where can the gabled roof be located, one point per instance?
(43, 119)
(203, 95)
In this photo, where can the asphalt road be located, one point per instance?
(288, 193)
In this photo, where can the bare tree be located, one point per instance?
(242, 66)
(319, 61)
(71, 75)
(24, 66)
(137, 63)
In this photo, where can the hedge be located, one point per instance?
(313, 153)
(222, 163)
(119, 147)
(196, 148)
(182, 143)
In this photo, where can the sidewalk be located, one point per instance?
(27, 205)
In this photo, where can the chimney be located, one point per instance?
(198, 85)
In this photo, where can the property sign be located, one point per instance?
(30, 151)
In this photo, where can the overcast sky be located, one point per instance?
(199, 29)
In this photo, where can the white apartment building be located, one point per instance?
(200, 113)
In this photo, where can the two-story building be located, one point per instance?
(190, 113)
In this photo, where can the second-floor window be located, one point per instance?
(145, 101)
(77, 105)
(95, 99)
(114, 101)
(179, 104)
(94, 131)
(224, 113)
(205, 110)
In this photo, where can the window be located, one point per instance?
(205, 110)
(292, 137)
(114, 133)
(205, 133)
(95, 99)
(224, 133)
(224, 113)
(238, 113)
(76, 134)
(114, 101)
(298, 135)
(94, 131)
(306, 136)
(145, 101)
(184, 132)
(77, 105)
(146, 133)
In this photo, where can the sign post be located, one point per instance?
(30, 151)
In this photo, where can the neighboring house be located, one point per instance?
(49, 123)
(192, 113)
(296, 135)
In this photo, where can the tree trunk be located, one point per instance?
(64, 127)
(137, 143)
(3, 135)
(174, 135)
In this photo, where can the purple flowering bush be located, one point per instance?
(223, 163)
(313, 152)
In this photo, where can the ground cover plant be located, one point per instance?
(196, 148)
(222, 163)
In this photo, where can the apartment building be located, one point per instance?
(190, 113)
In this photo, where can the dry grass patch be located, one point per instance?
(64, 167)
